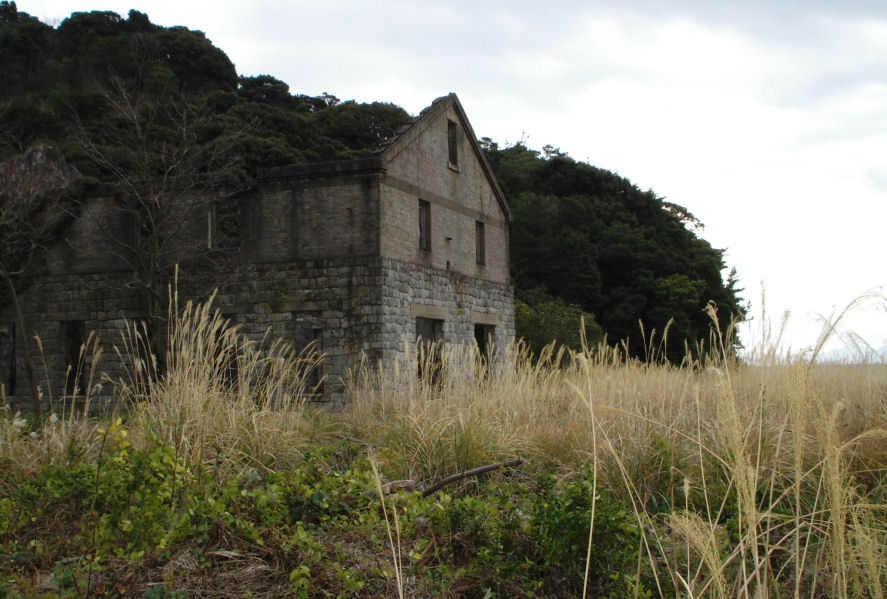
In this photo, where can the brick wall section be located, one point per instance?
(418, 167)
(315, 211)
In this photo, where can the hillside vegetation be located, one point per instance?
(134, 105)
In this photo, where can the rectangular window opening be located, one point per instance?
(211, 226)
(223, 224)
(228, 348)
(452, 142)
(7, 358)
(307, 338)
(424, 226)
(480, 243)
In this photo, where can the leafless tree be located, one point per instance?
(172, 178)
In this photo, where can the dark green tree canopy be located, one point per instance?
(592, 238)
(58, 83)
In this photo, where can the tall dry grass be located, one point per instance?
(746, 481)
(220, 398)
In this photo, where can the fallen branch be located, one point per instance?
(459, 476)
(358, 441)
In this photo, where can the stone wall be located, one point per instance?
(315, 211)
(338, 298)
(326, 251)
(358, 306)
(410, 291)
(99, 304)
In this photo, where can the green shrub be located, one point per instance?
(523, 539)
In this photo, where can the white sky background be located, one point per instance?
(766, 119)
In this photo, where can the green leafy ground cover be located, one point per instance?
(121, 520)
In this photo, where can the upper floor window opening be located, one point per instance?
(211, 216)
(453, 143)
(480, 243)
(223, 224)
(424, 226)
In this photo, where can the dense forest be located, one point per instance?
(128, 102)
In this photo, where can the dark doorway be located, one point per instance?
(73, 337)
(429, 333)
(483, 337)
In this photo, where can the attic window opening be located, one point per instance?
(452, 143)
(424, 226)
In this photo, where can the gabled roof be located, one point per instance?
(442, 105)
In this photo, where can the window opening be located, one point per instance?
(228, 346)
(211, 226)
(424, 226)
(315, 376)
(452, 142)
(480, 243)
(307, 338)
(223, 224)
(7, 358)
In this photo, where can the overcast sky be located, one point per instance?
(766, 119)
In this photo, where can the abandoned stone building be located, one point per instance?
(360, 256)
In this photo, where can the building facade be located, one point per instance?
(361, 257)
